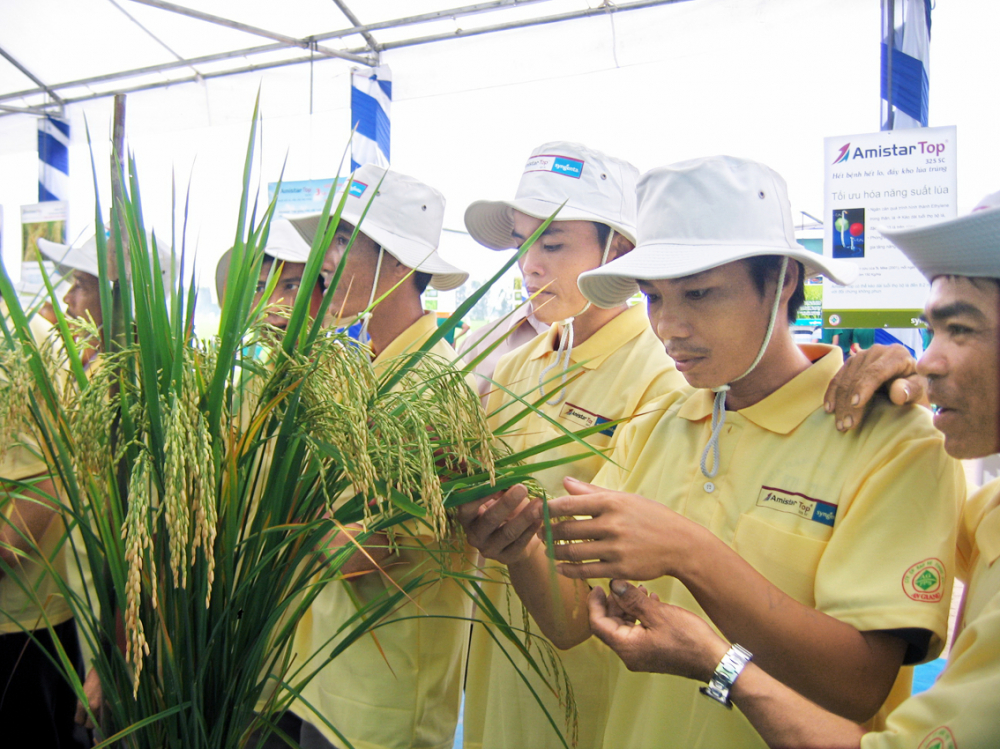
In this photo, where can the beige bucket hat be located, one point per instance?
(700, 214)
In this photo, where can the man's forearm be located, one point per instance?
(785, 718)
(823, 658)
(559, 609)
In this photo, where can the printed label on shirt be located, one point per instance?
(357, 188)
(924, 581)
(558, 164)
(797, 504)
(939, 738)
(585, 418)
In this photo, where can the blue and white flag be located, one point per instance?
(53, 159)
(910, 36)
(371, 98)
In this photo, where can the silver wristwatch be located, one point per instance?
(731, 666)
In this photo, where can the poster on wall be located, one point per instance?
(45, 220)
(895, 179)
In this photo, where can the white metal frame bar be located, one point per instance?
(354, 55)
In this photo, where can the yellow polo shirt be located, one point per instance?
(960, 710)
(402, 686)
(624, 368)
(18, 609)
(860, 526)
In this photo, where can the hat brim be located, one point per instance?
(417, 255)
(491, 222)
(965, 246)
(68, 259)
(612, 284)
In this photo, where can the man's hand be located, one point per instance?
(95, 696)
(867, 371)
(652, 636)
(503, 527)
(626, 536)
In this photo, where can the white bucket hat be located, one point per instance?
(964, 246)
(703, 213)
(405, 218)
(84, 257)
(284, 243)
(595, 187)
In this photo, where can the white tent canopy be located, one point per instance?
(767, 79)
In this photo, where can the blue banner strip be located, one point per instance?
(910, 87)
(52, 152)
(371, 121)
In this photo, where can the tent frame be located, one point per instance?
(304, 50)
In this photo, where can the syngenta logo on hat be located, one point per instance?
(357, 188)
(558, 164)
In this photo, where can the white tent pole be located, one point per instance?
(33, 77)
(246, 28)
(569, 16)
(353, 54)
(372, 42)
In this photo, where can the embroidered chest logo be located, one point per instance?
(794, 503)
(924, 581)
(939, 738)
(584, 418)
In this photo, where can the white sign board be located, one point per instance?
(896, 179)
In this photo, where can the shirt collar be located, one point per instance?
(607, 340)
(789, 405)
(410, 339)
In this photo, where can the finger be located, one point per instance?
(518, 531)
(80, 716)
(582, 551)
(471, 510)
(616, 611)
(588, 571)
(870, 371)
(576, 487)
(506, 507)
(633, 601)
(577, 530)
(601, 623)
(514, 550)
(587, 504)
(912, 389)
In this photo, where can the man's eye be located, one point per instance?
(957, 330)
(260, 287)
(552, 247)
(651, 298)
(696, 293)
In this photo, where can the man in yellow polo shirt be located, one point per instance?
(761, 517)
(595, 366)
(961, 258)
(402, 687)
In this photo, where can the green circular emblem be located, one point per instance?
(924, 581)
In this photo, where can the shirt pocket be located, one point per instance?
(787, 559)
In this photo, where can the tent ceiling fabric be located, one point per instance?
(57, 52)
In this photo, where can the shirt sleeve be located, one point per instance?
(900, 513)
(960, 709)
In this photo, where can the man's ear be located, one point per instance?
(620, 245)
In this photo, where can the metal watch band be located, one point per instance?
(731, 666)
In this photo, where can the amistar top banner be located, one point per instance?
(895, 179)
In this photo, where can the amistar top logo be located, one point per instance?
(881, 152)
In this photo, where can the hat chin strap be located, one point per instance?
(366, 316)
(565, 349)
(719, 406)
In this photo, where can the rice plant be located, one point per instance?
(205, 476)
